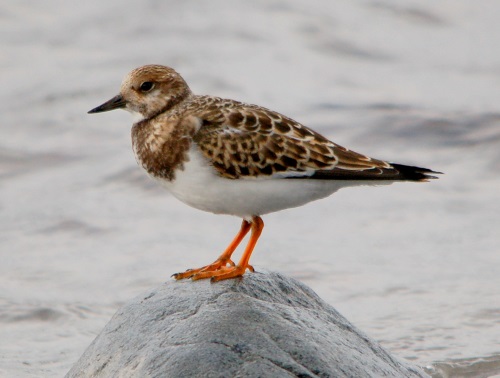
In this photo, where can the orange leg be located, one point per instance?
(223, 259)
(239, 269)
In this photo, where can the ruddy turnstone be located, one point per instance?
(227, 157)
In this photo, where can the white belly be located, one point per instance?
(199, 186)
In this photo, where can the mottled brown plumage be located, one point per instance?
(244, 141)
(239, 140)
(228, 157)
(161, 146)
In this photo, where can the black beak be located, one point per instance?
(116, 102)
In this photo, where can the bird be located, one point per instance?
(228, 157)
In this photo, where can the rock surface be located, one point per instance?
(263, 325)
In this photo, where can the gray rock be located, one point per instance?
(263, 325)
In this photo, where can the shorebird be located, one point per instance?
(228, 157)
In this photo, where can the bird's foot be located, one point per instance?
(214, 267)
(223, 273)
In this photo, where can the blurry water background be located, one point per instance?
(82, 229)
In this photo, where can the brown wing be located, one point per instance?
(249, 141)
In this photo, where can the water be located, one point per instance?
(83, 229)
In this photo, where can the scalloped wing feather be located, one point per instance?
(245, 141)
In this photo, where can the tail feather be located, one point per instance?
(395, 172)
(410, 173)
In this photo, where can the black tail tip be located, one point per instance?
(410, 173)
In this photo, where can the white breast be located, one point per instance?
(199, 186)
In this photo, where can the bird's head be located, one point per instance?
(148, 91)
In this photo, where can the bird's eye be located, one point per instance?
(146, 86)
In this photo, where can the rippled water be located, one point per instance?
(416, 266)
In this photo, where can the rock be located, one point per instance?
(263, 325)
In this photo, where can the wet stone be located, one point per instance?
(263, 325)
